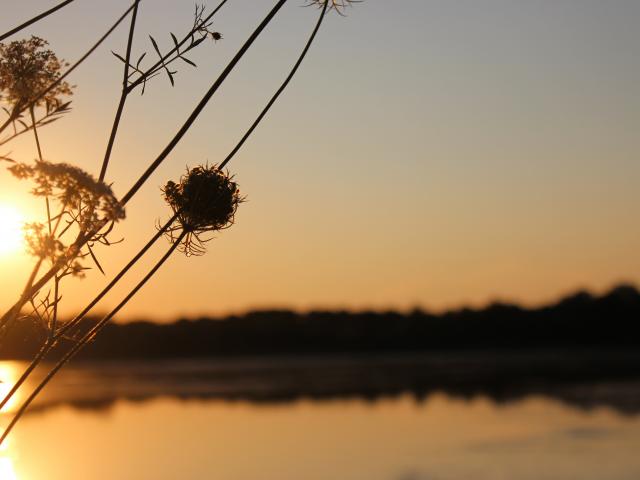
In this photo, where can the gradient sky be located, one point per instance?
(428, 153)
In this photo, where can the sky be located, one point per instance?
(429, 153)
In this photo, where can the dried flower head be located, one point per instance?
(206, 200)
(86, 200)
(26, 69)
(337, 5)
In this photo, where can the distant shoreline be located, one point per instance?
(577, 322)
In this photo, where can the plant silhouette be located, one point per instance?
(81, 210)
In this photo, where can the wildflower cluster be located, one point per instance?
(205, 200)
(85, 210)
(86, 200)
(27, 68)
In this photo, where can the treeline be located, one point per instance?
(578, 321)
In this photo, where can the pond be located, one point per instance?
(240, 420)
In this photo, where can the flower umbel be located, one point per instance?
(86, 200)
(27, 68)
(205, 200)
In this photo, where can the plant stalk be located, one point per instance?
(50, 343)
(88, 337)
(139, 80)
(35, 19)
(196, 112)
(40, 95)
(279, 91)
(123, 95)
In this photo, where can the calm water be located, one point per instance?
(212, 421)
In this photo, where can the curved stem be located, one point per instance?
(60, 79)
(82, 239)
(35, 130)
(279, 91)
(123, 95)
(78, 318)
(88, 337)
(162, 60)
(196, 112)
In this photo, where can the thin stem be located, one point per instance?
(51, 341)
(35, 130)
(35, 19)
(11, 314)
(8, 316)
(73, 251)
(40, 95)
(280, 90)
(34, 272)
(161, 231)
(196, 112)
(84, 238)
(34, 363)
(24, 129)
(88, 337)
(162, 60)
(56, 298)
(123, 95)
(8, 122)
(35, 134)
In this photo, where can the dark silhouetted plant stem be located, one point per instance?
(164, 58)
(9, 121)
(35, 134)
(123, 95)
(41, 94)
(51, 341)
(279, 91)
(174, 141)
(8, 316)
(35, 19)
(88, 337)
(83, 238)
(35, 130)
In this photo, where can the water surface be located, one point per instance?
(228, 421)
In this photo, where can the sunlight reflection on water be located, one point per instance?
(139, 423)
(9, 373)
(7, 472)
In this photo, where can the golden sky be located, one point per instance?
(428, 153)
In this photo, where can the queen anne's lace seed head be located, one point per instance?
(205, 200)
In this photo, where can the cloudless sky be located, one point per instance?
(430, 153)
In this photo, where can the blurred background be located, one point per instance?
(433, 277)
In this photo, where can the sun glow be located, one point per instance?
(6, 469)
(11, 235)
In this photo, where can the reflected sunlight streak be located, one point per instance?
(7, 471)
(8, 377)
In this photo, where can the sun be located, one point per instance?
(11, 234)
